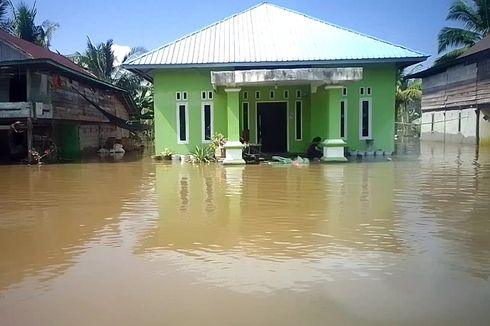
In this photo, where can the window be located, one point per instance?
(245, 115)
(178, 96)
(459, 121)
(286, 94)
(298, 93)
(206, 95)
(257, 95)
(369, 91)
(272, 94)
(361, 91)
(344, 91)
(299, 120)
(343, 119)
(432, 123)
(182, 123)
(184, 96)
(207, 122)
(365, 119)
(245, 95)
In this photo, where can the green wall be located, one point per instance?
(68, 141)
(380, 78)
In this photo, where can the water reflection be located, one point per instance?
(389, 242)
(49, 214)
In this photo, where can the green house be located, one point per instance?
(278, 78)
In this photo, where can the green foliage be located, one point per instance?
(99, 59)
(408, 98)
(165, 154)
(202, 154)
(217, 141)
(474, 15)
(23, 24)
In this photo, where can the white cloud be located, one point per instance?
(120, 51)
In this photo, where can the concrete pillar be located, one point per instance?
(333, 145)
(233, 146)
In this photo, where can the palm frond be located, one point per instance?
(456, 37)
(450, 56)
(463, 12)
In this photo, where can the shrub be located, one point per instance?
(202, 154)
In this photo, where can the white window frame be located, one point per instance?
(370, 118)
(344, 91)
(345, 117)
(203, 131)
(257, 95)
(245, 95)
(243, 115)
(178, 96)
(298, 93)
(296, 122)
(362, 91)
(185, 104)
(286, 94)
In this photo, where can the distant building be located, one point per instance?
(46, 98)
(456, 98)
(276, 78)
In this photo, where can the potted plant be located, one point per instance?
(166, 154)
(217, 143)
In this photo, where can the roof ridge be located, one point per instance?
(343, 28)
(196, 32)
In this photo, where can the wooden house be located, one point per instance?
(47, 101)
(456, 98)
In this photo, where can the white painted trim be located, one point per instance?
(285, 94)
(370, 118)
(204, 141)
(181, 142)
(248, 116)
(257, 120)
(346, 124)
(301, 118)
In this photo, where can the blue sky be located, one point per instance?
(152, 23)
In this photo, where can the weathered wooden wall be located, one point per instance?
(458, 87)
(69, 105)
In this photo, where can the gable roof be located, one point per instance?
(33, 51)
(268, 34)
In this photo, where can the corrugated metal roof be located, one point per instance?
(269, 33)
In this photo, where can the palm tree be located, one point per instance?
(23, 25)
(474, 15)
(99, 59)
(4, 14)
(407, 100)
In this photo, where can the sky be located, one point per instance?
(153, 23)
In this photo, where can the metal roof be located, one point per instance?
(268, 33)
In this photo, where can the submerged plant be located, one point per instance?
(217, 141)
(164, 155)
(202, 154)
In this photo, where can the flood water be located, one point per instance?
(154, 243)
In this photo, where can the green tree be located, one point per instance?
(4, 14)
(474, 16)
(100, 60)
(407, 101)
(23, 25)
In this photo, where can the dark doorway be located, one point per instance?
(272, 129)
(18, 89)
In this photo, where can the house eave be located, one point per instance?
(146, 70)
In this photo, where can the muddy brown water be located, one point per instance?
(143, 243)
